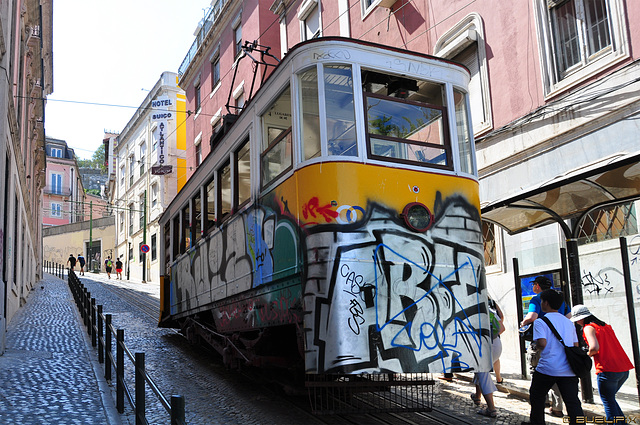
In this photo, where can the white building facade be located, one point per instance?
(152, 142)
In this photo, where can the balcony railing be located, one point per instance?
(211, 18)
(58, 190)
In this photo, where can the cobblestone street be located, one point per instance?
(49, 367)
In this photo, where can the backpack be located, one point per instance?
(109, 263)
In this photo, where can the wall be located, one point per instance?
(60, 241)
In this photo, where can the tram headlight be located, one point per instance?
(417, 217)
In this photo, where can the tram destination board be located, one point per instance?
(161, 169)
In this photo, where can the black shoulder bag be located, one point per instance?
(578, 359)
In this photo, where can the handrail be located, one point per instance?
(96, 322)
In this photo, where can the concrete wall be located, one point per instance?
(60, 241)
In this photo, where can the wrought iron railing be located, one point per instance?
(212, 16)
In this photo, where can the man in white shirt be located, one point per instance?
(553, 367)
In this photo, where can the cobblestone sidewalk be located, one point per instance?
(47, 373)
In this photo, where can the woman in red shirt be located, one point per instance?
(612, 364)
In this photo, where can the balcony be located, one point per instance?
(57, 190)
(213, 15)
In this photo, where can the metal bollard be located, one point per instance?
(93, 323)
(100, 333)
(177, 410)
(139, 382)
(107, 348)
(120, 370)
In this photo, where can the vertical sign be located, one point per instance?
(161, 113)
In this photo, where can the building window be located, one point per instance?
(121, 222)
(142, 207)
(140, 253)
(579, 38)
(240, 102)
(154, 247)
(198, 154)
(56, 210)
(154, 195)
(122, 176)
(309, 16)
(130, 254)
(56, 183)
(237, 35)
(197, 97)
(489, 239)
(143, 156)
(608, 223)
(215, 70)
(131, 218)
(56, 153)
(464, 43)
(132, 168)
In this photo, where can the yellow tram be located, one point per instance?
(335, 226)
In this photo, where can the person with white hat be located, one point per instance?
(612, 363)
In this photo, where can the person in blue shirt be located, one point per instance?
(540, 284)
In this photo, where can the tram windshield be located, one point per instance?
(406, 120)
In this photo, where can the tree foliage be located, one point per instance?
(96, 161)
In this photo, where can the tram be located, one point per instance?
(335, 226)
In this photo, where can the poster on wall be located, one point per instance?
(526, 285)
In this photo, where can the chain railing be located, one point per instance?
(99, 327)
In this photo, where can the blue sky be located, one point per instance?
(112, 53)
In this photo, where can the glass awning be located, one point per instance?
(571, 195)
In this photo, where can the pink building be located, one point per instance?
(63, 195)
(215, 88)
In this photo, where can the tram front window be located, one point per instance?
(310, 114)
(406, 121)
(341, 122)
(464, 132)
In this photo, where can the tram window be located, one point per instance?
(341, 123)
(276, 145)
(210, 193)
(464, 132)
(196, 223)
(243, 174)
(406, 121)
(310, 114)
(167, 244)
(224, 194)
(177, 242)
(186, 230)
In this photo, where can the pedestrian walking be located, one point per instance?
(553, 367)
(540, 284)
(497, 328)
(118, 268)
(71, 262)
(82, 263)
(612, 363)
(108, 265)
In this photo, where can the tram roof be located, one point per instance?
(602, 183)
